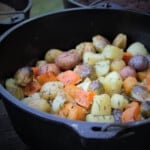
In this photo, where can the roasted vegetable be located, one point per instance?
(127, 71)
(100, 42)
(85, 71)
(112, 83)
(51, 54)
(84, 47)
(37, 103)
(140, 93)
(90, 58)
(23, 76)
(101, 105)
(120, 41)
(97, 87)
(102, 67)
(118, 101)
(112, 52)
(139, 63)
(50, 89)
(68, 60)
(137, 48)
(14, 89)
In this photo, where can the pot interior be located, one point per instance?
(27, 42)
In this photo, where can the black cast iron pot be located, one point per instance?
(28, 41)
(20, 12)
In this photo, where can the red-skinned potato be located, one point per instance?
(68, 60)
(49, 68)
(127, 71)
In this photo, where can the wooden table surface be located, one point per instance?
(9, 140)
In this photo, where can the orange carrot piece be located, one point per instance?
(31, 88)
(131, 113)
(126, 57)
(69, 77)
(73, 111)
(46, 77)
(35, 71)
(128, 84)
(82, 98)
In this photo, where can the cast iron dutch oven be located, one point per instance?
(19, 11)
(28, 41)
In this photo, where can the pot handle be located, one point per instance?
(106, 131)
(16, 17)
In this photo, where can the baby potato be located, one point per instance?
(51, 54)
(85, 71)
(23, 76)
(50, 89)
(90, 58)
(13, 88)
(85, 47)
(39, 104)
(41, 63)
(102, 67)
(96, 86)
(118, 101)
(137, 48)
(68, 60)
(112, 52)
(100, 42)
(101, 105)
(117, 65)
(127, 71)
(139, 63)
(112, 83)
(49, 68)
(120, 41)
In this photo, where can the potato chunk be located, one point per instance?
(101, 105)
(112, 83)
(112, 52)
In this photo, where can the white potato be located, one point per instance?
(102, 67)
(120, 41)
(112, 83)
(59, 101)
(112, 52)
(118, 101)
(137, 48)
(90, 58)
(50, 89)
(39, 103)
(117, 65)
(99, 42)
(85, 84)
(101, 119)
(101, 105)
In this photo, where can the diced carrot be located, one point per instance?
(46, 77)
(35, 71)
(69, 77)
(82, 98)
(126, 57)
(73, 111)
(31, 88)
(128, 84)
(131, 113)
